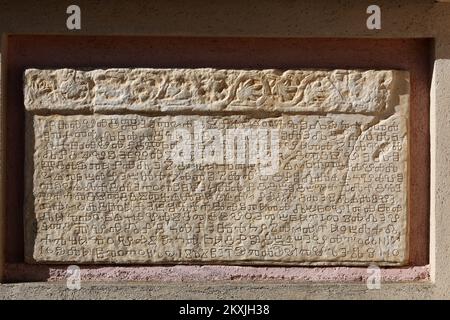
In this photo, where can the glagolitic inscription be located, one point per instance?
(325, 188)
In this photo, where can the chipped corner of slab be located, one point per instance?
(363, 113)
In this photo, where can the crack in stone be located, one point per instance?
(369, 126)
(260, 114)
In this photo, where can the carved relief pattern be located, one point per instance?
(209, 90)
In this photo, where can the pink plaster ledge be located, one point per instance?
(25, 272)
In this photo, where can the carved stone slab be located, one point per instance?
(209, 90)
(306, 188)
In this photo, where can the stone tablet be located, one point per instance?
(301, 167)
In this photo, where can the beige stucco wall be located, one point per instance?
(266, 18)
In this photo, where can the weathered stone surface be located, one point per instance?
(326, 188)
(116, 90)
